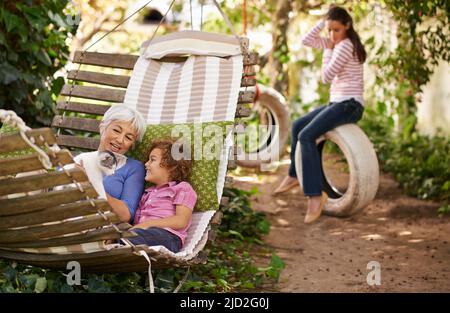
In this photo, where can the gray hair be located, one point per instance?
(121, 112)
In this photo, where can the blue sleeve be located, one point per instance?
(133, 187)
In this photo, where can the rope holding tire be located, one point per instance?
(363, 166)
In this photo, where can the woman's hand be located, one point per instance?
(330, 44)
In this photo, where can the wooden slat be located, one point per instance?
(228, 181)
(77, 123)
(60, 229)
(251, 58)
(104, 233)
(31, 162)
(40, 181)
(60, 260)
(134, 264)
(117, 95)
(243, 111)
(99, 78)
(44, 200)
(94, 93)
(248, 81)
(217, 218)
(14, 142)
(98, 109)
(231, 164)
(54, 214)
(78, 142)
(81, 107)
(127, 61)
(212, 234)
(123, 80)
(247, 96)
(249, 71)
(224, 201)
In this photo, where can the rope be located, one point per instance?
(12, 119)
(160, 22)
(190, 9)
(182, 281)
(150, 277)
(244, 17)
(230, 26)
(115, 27)
(201, 16)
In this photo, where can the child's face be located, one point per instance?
(156, 173)
(336, 30)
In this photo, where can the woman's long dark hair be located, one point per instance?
(341, 15)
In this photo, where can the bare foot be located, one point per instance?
(287, 183)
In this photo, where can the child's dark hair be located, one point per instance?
(341, 15)
(179, 170)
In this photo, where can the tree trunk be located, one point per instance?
(279, 53)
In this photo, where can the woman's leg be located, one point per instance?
(297, 127)
(331, 117)
(291, 180)
(334, 115)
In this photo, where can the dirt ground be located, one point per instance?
(404, 234)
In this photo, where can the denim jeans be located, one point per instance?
(155, 236)
(310, 127)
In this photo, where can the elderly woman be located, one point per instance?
(120, 128)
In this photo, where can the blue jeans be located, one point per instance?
(155, 236)
(310, 127)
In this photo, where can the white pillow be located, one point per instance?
(191, 42)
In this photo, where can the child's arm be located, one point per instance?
(178, 221)
(335, 59)
(312, 38)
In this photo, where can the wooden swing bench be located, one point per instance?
(73, 216)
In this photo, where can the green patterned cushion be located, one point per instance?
(204, 169)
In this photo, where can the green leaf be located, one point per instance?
(11, 21)
(35, 17)
(237, 234)
(44, 58)
(41, 285)
(3, 40)
(8, 74)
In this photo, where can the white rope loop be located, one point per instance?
(11, 118)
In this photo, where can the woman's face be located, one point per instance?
(336, 30)
(118, 137)
(156, 173)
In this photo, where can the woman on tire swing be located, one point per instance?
(342, 65)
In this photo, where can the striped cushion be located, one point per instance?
(201, 89)
(191, 42)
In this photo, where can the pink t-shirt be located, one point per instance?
(160, 202)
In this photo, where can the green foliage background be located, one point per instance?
(32, 49)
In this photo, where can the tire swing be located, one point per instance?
(363, 170)
(271, 110)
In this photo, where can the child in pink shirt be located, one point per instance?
(164, 213)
